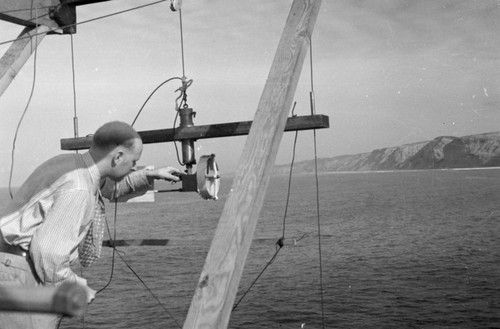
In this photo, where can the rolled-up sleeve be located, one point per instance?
(134, 181)
(58, 236)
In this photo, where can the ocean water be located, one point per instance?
(417, 249)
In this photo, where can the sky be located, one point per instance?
(386, 72)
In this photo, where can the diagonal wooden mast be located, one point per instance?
(216, 290)
(18, 53)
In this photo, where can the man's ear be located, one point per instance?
(117, 158)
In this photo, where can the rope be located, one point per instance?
(147, 288)
(25, 108)
(258, 276)
(290, 175)
(280, 242)
(117, 252)
(89, 20)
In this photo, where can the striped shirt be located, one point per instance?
(52, 212)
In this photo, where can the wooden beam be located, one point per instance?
(19, 53)
(216, 290)
(205, 131)
(68, 299)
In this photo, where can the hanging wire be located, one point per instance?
(181, 100)
(185, 84)
(27, 104)
(150, 95)
(319, 231)
(313, 111)
(75, 115)
(89, 20)
(175, 144)
(113, 239)
(118, 252)
(182, 44)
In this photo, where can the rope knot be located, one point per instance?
(183, 95)
(281, 242)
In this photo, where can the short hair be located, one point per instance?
(113, 134)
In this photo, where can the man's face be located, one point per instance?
(125, 160)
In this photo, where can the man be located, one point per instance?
(56, 216)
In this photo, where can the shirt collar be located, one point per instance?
(95, 175)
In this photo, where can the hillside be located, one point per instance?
(481, 150)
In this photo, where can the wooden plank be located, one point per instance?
(68, 299)
(19, 53)
(205, 131)
(216, 290)
(135, 242)
(26, 12)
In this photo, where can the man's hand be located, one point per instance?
(90, 294)
(169, 174)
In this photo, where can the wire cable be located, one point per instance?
(182, 44)
(113, 239)
(25, 109)
(75, 114)
(151, 95)
(318, 217)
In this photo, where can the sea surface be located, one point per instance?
(407, 249)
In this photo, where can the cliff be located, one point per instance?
(482, 150)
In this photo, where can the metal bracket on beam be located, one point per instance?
(65, 16)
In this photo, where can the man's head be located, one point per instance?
(116, 147)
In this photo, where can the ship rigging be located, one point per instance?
(214, 297)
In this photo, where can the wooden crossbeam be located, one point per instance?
(205, 131)
(216, 289)
(135, 242)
